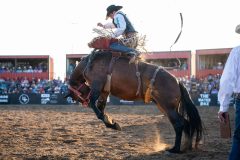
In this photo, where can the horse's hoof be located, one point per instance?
(107, 119)
(174, 150)
(117, 126)
(186, 148)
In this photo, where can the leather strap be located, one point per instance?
(138, 74)
(153, 79)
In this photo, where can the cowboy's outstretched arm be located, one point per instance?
(106, 26)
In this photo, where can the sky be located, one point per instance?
(60, 27)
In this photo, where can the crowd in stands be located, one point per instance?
(209, 84)
(38, 86)
(23, 69)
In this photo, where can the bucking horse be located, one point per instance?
(104, 72)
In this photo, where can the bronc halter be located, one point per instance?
(84, 101)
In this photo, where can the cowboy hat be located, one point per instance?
(112, 8)
(237, 30)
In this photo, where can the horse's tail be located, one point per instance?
(193, 116)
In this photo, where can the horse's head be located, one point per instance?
(78, 90)
(80, 93)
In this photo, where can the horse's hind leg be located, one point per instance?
(176, 120)
(178, 125)
(188, 136)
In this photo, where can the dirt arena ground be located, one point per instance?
(73, 132)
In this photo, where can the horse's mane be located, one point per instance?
(107, 55)
(98, 54)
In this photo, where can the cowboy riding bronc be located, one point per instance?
(124, 37)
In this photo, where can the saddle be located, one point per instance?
(102, 42)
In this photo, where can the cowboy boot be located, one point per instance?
(134, 57)
(130, 54)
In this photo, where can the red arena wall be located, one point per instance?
(29, 66)
(211, 61)
(176, 62)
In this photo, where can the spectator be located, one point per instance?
(229, 84)
(220, 65)
(214, 90)
(184, 66)
(30, 70)
(19, 70)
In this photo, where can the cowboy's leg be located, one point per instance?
(235, 151)
(121, 48)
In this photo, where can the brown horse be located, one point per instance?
(157, 84)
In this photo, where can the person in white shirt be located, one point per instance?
(229, 85)
(122, 27)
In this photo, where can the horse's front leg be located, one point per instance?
(93, 98)
(99, 108)
(108, 121)
(102, 101)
